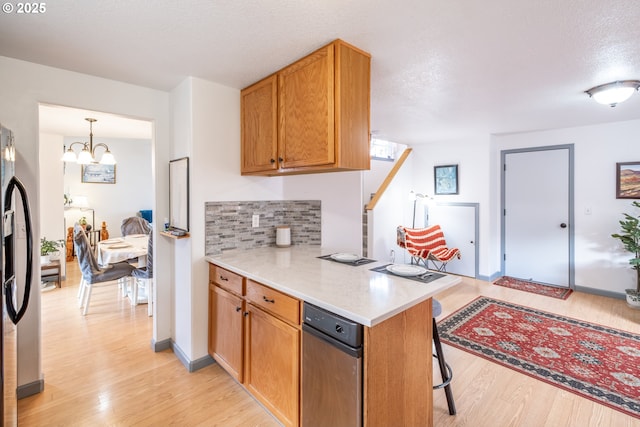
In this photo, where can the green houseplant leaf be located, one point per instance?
(629, 235)
(48, 247)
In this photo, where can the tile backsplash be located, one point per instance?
(228, 225)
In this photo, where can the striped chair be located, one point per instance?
(427, 244)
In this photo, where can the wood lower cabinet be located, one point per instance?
(272, 368)
(226, 330)
(311, 116)
(260, 346)
(254, 334)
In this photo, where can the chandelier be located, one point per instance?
(87, 155)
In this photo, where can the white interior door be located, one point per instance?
(537, 216)
(458, 223)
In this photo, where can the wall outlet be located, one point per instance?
(255, 220)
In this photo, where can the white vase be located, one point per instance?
(633, 298)
(45, 259)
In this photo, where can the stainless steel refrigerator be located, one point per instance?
(15, 291)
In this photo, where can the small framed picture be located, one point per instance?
(445, 179)
(99, 174)
(628, 180)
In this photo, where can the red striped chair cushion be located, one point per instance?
(425, 242)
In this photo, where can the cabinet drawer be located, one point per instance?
(277, 303)
(226, 279)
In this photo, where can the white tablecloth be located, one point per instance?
(123, 248)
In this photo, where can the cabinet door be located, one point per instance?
(306, 111)
(272, 368)
(259, 130)
(225, 330)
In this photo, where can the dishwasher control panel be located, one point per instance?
(344, 330)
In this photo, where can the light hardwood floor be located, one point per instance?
(488, 394)
(100, 370)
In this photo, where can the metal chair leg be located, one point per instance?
(445, 370)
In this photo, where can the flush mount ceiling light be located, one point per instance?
(87, 155)
(613, 93)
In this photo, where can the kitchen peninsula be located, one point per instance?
(262, 291)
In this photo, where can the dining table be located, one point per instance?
(118, 249)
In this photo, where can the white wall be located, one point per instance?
(473, 157)
(600, 262)
(180, 279)
(393, 209)
(206, 120)
(342, 206)
(51, 223)
(374, 177)
(131, 192)
(25, 85)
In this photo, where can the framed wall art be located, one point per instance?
(98, 174)
(445, 179)
(628, 180)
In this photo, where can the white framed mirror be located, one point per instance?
(179, 194)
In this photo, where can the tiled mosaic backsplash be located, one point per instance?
(228, 224)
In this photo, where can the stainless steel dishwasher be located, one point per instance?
(331, 370)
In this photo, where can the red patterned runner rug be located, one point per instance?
(593, 361)
(534, 288)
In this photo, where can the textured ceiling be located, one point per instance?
(441, 69)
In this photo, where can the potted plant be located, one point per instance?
(47, 247)
(630, 237)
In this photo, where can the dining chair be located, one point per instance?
(91, 272)
(145, 274)
(135, 225)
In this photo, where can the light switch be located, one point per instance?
(255, 220)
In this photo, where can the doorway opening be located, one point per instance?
(66, 196)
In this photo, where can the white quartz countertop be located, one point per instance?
(355, 292)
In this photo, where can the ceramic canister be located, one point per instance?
(283, 236)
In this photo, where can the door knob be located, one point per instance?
(563, 225)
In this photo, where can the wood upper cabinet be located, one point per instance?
(312, 116)
(306, 108)
(259, 131)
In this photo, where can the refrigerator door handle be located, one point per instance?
(13, 314)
